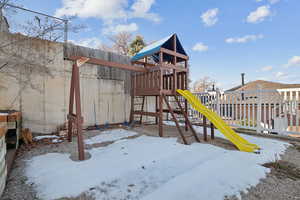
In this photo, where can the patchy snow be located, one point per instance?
(57, 140)
(45, 137)
(3, 114)
(110, 136)
(153, 168)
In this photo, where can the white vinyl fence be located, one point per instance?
(3, 168)
(275, 111)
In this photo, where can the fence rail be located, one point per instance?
(275, 111)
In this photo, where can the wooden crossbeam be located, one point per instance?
(101, 62)
(173, 53)
(153, 114)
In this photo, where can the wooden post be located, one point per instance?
(79, 119)
(186, 87)
(160, 125)
(160, 122)
(174, 70)
(71, 106)
(156, 109)
(212, 131)
(133, 79)
(204, 128)
(142, 109)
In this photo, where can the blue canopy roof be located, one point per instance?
(153, 49)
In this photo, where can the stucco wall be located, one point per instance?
(105, 92)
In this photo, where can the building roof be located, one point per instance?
(153, 49)
(265, 85)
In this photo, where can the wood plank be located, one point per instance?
(153, 114)
(144, 63)
(97, 61)
(173, 53)
(167, 66)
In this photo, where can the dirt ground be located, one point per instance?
(282, 183)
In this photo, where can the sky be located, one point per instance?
(222, 38)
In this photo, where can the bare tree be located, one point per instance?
(203, 84)
(19, 61)
(49, 29)
(121, 42)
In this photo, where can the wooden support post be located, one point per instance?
(156, 109)
(79, 119)
(71, 106)
(187, 119)
(186, 112)
(142, 109)
(175, 120)
(212, 131)
(204, 128)
(174, 84)
(133, 79)
(186, 88)
(160, 125)
(160, 122)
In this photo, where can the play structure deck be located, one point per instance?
(159, 70)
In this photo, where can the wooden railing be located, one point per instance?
(158, 80)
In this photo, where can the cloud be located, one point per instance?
(92, 42)
(209, 18)
(273, 1)
(200, 47)
(267, 68)
(244, 39)
(293, 62)
(141, 9)
(259, 15)
(108, 10)
(281, 76)
(111, 29)
(270, 1)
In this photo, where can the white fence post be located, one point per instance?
(218, 101)
(259, 106)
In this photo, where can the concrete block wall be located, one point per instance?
(105, 92)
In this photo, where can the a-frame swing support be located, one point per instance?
(75, 119)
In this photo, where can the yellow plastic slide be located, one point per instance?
(236, 139)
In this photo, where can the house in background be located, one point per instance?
(263, 85)
(277, 103)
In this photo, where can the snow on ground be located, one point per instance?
(45, 137)
(152, 168)
(56, 141)
(199, 129)
(110, 136)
